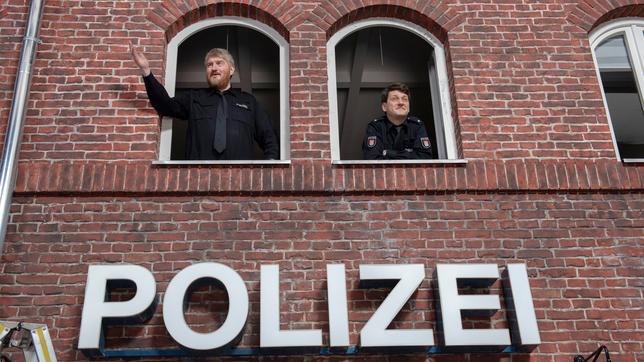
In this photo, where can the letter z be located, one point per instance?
(375, 332)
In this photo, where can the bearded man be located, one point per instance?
(223, 123)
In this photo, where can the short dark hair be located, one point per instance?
(401, 87)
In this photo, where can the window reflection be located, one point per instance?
(624, 102)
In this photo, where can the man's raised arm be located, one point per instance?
(161, 101)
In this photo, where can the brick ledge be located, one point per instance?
(69, 177)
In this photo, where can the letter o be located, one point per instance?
(173, 303)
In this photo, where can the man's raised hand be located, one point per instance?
(140, 60)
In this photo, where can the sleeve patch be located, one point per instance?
(425, 142)
(371, 141)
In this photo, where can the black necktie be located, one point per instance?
(398, 130)
(219, 143)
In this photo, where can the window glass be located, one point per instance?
(621, 90)
(369, 60)
(611, 54)
(257, 72)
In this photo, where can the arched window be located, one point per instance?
(364, 58)
(618, 50)
(261, 60)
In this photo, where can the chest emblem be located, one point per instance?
(241, 105)
(371, 141)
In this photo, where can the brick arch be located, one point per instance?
(434, 15)
(591, 13)
(173, 16)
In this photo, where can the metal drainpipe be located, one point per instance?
(9, 162)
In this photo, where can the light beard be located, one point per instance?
(221, 85)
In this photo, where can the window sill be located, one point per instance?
(221, 163)
(633, 160)
(400, 162)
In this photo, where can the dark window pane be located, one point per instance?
(366, 62)
(256, 71)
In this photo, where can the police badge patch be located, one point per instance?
(371, 141)
(425, 142)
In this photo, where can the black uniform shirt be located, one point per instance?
(246, 123)
(385, 141)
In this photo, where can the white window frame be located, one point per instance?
(165, 141)
(443, 89)
(633, 30)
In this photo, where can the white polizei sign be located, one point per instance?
(374, 334)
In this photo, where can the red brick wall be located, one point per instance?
(583, 253)
(542, 184)
(12, 17)
(513, 99)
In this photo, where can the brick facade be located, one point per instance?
(541, 185)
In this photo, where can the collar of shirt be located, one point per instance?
(230, 92)
(390, 125)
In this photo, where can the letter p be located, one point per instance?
(96, 307)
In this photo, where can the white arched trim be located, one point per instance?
(443, 85)
(633, 31)
(171, 72)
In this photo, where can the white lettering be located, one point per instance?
(173, 310)
(338, 312)
(452, 304)
(96, 308)
(375, 332)
(270, 335)
(520, 297)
